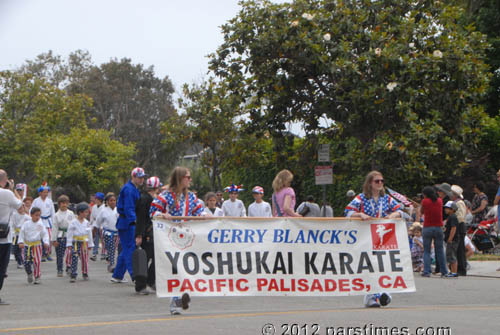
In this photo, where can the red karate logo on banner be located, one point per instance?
(384, 236)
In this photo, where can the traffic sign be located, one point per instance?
(323, 175)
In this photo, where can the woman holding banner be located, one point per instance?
(284, 195)
(177, 201)
(374, 203)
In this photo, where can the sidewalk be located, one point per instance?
(484, 269)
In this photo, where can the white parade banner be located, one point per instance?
(281, 257)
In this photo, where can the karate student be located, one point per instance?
(259, 208)
(233, 206)
(107, 220)
(211, 203)
(31, 236)
(62, 219)
(45, 204)
(17, 221)
(79, 241)
(96, 228)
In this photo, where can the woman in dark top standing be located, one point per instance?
(479, 203)
(432, 209)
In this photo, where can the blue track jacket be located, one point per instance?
(127, 199)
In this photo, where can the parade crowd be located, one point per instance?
(31, 229)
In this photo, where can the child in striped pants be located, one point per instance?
(31, 236)
(17, 221)
(62, 219)
(107, 220)
(79, 241)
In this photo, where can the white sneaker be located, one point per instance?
(118, 281)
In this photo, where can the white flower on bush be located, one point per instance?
(327, 37)
(411, 45)
(307, 16)
(295, 23)
(378, 52)
(391, 86)
(437, 54)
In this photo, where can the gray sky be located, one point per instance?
(172, 35)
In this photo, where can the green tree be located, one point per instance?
(209, 120)
(31, 110)
(87, 160)
(485, 16)
(400, 81)
(129, 100)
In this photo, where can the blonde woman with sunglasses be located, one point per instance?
(374, 203)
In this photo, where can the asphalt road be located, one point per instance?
(468, 305)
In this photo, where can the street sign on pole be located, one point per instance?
(324, 153)
(323, 175)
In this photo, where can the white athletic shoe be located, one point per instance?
(118, 281)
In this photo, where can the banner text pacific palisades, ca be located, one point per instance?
(282, 256)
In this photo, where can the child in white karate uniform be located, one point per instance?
(211, 208)
(79, 241)
(107, 220)
(32, 235)
(45, 204)
(259, 208)
(17, 221)
(234, 206)
(62, 219)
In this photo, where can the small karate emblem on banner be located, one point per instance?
(384, 236)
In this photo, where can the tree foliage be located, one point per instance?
(400, 81)
(129, 100)
(31, 110)
(85, 159)
(485, 16)
(208, 119)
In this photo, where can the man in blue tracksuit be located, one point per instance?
(127, 200)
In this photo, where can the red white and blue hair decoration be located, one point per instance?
(258, 189)
(43, 187)
(234, 188)
(153, 182)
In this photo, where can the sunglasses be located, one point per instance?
(378, 181)
(188, 177)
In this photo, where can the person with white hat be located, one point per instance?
(457, 197)
(461, 213)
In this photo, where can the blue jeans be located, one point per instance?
(124, 262)
(436, 234)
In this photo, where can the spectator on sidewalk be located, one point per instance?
(309, 208)
(9, 201)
